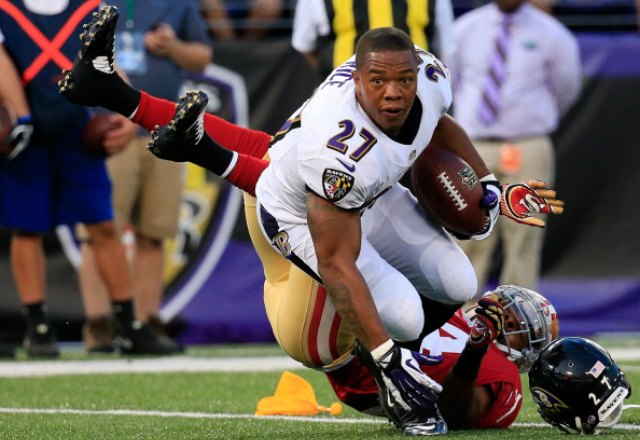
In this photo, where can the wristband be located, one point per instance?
(26, 119)
(382, 349)
(490, 198)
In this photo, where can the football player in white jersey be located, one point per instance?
(372, 272)
(347, 148)
(323, 179)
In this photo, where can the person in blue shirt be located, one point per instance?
(53, 180)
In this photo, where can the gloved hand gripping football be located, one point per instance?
(520, 200)
(488, 322)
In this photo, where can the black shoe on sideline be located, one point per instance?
(7, 350)
(138, 338)
(40, 341)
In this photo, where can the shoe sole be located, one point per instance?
(188, 110)
(101, 29)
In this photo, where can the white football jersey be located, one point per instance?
(332, 148)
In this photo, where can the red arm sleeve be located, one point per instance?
(154, 111)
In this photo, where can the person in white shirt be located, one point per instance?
(510, 115)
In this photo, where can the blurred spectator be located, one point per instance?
(155, 41)
(544, 5)
(516, 71)
(218, 21)
(54, 180)
(252, 19)
(326, 32)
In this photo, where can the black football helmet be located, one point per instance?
(577, 386)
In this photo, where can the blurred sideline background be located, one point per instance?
(591, 259)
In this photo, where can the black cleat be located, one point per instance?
(40, 341)
(92, 79)
(177, 140)
(7, 350)
(138, 338)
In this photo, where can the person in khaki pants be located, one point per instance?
(148, 190)
(516, 71)
(155, 41)
(521, 246)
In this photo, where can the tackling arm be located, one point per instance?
(461, 401)
(516, 201)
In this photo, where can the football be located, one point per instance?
(7, 123)
(449, 190)
(95, 132)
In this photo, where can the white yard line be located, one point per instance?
(187, 415)
(625, 354)
(200, 415)
(171, 364)
(194, 364)
(151, 365)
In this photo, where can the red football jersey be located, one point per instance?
(496, 371)
(354, 385)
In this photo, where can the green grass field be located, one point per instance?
(203, 405)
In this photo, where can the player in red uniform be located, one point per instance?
(478, 364)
